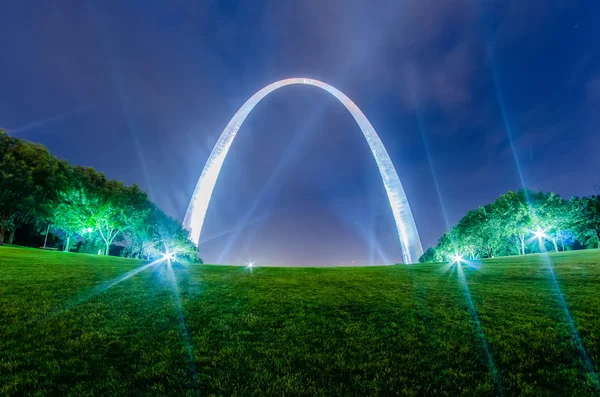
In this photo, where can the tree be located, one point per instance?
(30, 179)
(173, 238)
(586, 220)
(513, 209)
(551, 214)
(104, 204)
(505, 226)
(428, 256)
(486, 231)
(141, 234)
(36, 188)
(16, 220)
(445, 248)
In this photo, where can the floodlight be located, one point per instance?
(540, 234)
(169, 256)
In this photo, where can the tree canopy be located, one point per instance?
(521, 222)
(82, 205)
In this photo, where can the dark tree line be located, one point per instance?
(88, 211)
(521, 222)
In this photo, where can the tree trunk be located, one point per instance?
(555, 245)
(523, 245)
(3, 229)
(107, 250)
(11, 236)
(562, 241)
(67, 244)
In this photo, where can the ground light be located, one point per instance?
(250, 265)
(457, 258)
(169, 256)
(540, 234)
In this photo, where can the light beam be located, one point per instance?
(101, 288)
(490, 361)
(184, 332)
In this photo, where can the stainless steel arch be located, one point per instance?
(407, 230)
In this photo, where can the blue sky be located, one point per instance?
(142, 90)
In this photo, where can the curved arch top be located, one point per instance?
(405, 224)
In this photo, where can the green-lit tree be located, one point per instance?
(492, 240)
(171, 237)
(551, 214)
(445, 248)
(70, 216)
(514, 209)
(141, 234)
(508, 226)
(103, 203)
(30, 179)
(38, 189)
(428, 256)
(586, 220)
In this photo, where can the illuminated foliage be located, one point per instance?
(30, 180)
(586, 220)
(519, 223)
(82, 205)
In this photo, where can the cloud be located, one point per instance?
(427, 46)
(444, 83)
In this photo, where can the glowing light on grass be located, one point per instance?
(102, 288)
(587, 361)
(479, 330)
(405, 224)
(186, 337)
(509, 133)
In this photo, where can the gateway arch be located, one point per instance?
(405, 224)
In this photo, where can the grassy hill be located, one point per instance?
(72, 325)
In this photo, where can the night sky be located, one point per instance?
(141, 90)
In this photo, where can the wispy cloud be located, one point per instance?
(48, 120)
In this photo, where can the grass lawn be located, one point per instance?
(68, 328)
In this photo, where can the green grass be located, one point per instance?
(399, 330)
